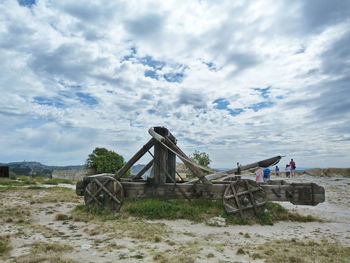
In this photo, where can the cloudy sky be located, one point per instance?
(240, 80)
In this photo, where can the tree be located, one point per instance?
(104, 161)
(201, 158)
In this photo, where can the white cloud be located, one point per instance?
(73, 77)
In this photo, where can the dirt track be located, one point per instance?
(162, 240)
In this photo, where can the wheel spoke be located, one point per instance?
(244, 198)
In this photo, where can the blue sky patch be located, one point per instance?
(151, 74)
(258, 106)
(133, 52)
(211, 66)
(174, 77)
(27, 3)
(55, 102)
(86, 98)
(153, 63)
(265, 93)
(301, 50)
(235, 111)
(222, 104)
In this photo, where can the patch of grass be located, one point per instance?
(14, 214)
(196, 210)
(56, 258)
(17, 182)
(56, 194)
(300, 251)
(20, 181)
(43, 247)
(89, 213)
(56, 181)
(5, 246)
(118, 225)
(61, 217)
(240, 251)
(275, 212)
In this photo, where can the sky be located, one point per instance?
(240, 80)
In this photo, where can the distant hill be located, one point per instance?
(39, 169)
(36, 168)
(138, 167)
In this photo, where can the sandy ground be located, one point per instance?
(181, 241)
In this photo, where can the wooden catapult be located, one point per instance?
(241, 197)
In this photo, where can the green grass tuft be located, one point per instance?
(196, 210)
(4, 246)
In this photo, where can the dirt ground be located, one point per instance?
(135, 240)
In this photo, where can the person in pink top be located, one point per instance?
(259, 175)
(292, 167)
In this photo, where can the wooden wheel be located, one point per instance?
(104, 192)
(244, 198)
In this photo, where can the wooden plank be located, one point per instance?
(252, 199)
(134, 159)
(107, 191)
(160, 159)
(200, 191)
(238, 203)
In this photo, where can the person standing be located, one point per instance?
(277, 171)
(238, 169)
(292, 167)
(259, 175)
(267, 174)
(287, 170)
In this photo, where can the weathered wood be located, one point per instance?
(245, 198)
(134, 159)
(158, 170)
(104, 192)
(302, 193)
(171, 167)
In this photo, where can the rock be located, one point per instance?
(85, 246)
(217, 221)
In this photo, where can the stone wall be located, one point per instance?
(73, 174)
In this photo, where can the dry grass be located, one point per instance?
(43, 247)
(43, 258)
(298, 251)
(118, 226)
(55, 195)
(14, 214)
(46, 252)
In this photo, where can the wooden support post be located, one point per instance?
(171, 167)
(134, 159)
(160, 162)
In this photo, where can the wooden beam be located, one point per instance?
(303, 194)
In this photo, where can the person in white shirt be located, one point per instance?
(259, 175)
(287, 170)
